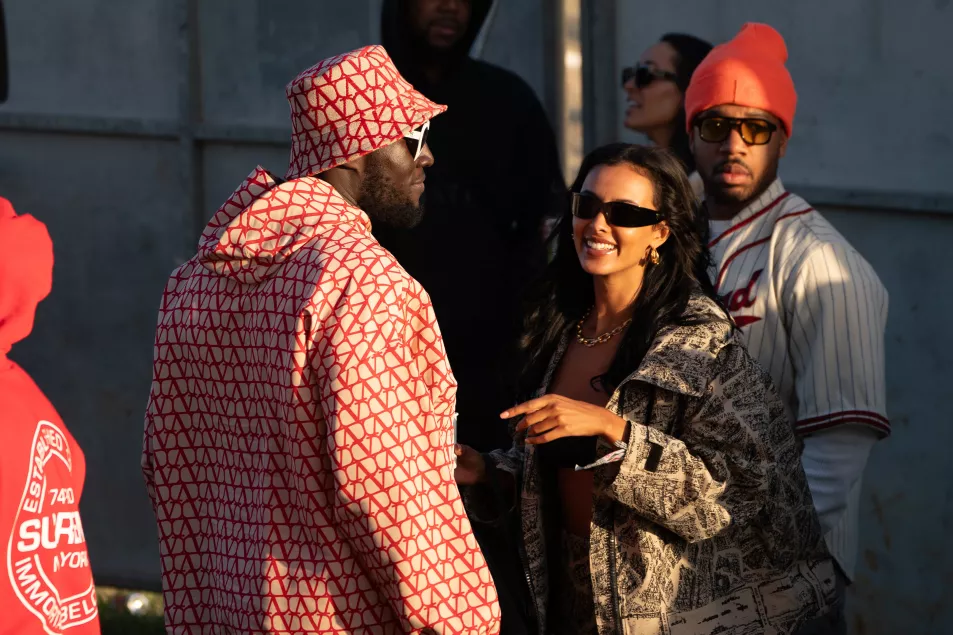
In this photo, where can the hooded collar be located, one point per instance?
(263, 223)
(682, 358)
(26, 273)
(405, 48)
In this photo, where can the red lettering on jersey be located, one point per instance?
(744, 320)
(743, 298)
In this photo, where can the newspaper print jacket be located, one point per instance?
(707, 524)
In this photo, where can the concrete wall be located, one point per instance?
(905, 567)
(873, 150)
(874, 82)
(127, 125)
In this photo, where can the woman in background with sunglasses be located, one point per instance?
(656, 87)
(655, 478)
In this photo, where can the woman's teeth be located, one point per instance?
(599, 246)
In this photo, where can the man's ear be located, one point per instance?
(783, 148)
(349, 170)
(347, 178)
(358, 166)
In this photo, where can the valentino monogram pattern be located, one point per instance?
(707, 524)
(298, 439)
(298, 444)
(347, 106)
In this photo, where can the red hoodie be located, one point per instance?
(48, 586)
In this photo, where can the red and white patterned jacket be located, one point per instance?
(299, 434)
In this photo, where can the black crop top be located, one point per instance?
(567, 452)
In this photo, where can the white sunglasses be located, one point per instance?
(417, 139)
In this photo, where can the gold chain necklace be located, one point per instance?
(589, 342)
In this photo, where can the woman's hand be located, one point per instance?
(552, 417)
(471, 468)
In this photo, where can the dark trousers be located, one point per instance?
(835, 621)
(504, 563)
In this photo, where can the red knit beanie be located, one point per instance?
(746, 71)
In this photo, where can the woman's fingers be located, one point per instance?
(541, 427)
(552, 434)
(534, 417)
(528, 406)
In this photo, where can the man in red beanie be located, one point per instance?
(298, 443)
(47, 586)
(810, 307)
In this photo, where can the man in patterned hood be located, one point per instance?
(298, 439)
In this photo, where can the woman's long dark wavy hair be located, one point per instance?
(566, 291)
(690, 51)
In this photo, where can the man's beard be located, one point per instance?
(723, 194)
(383, 202)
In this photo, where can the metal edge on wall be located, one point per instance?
(600, 89)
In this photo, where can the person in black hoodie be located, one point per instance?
(497, 178)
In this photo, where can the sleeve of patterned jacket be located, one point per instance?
(146, 459)
(718, 471)
(386, 394)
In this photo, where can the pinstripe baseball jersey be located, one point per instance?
(813, 312)
(810, 307)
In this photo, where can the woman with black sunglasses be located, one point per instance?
(656, 87)
(655, 480)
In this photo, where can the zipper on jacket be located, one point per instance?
(529, 586)
(521, 552)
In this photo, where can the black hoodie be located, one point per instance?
(495, 176)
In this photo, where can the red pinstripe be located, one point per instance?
(746, 221)
(844, 413)
(743, 248)
(833, 420)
